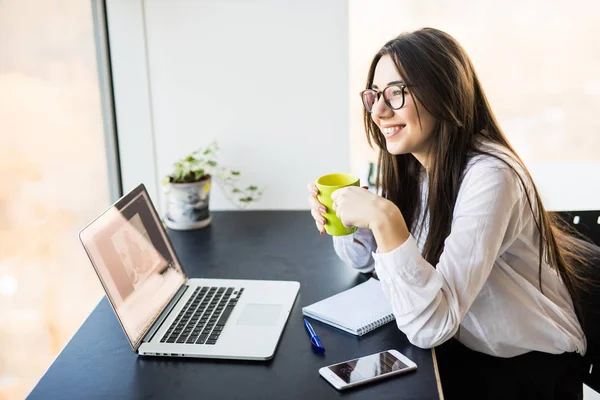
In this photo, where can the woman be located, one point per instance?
(465, 251)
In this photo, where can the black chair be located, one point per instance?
(587, 223)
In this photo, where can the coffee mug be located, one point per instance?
(328, 184)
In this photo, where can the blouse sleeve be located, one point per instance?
(356, 249)
(429, 303)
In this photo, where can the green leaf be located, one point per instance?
(252, 188)
(236, 173)
(246, 199)
(236, 190)
(190, 159)
(198, 174)
(212, 163)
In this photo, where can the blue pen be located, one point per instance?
(314, 339)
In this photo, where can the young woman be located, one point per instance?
(464, 249)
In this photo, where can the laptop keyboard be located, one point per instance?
(203, 317)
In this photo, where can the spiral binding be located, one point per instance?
(375, 324)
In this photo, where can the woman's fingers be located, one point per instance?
(316, 208)
(315, 205)
(312, 193)
(312, 189)
(320, 228)
(319, 219)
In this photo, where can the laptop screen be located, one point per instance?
(135, 262)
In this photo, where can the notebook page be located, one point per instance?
(352, 309)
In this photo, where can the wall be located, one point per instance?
(268, 79)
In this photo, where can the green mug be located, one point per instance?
(328, 184)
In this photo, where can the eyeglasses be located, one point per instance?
(393, 96)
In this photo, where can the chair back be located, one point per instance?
(588, 224)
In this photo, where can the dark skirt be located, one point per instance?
(535, 375)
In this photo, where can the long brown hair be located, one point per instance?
(441, 77)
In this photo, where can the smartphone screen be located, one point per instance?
(367, 367)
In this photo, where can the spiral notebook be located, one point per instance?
(357, 310)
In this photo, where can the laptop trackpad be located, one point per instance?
(260, 314)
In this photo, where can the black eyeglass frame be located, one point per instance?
(379, 93)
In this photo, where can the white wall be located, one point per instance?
(268, 79)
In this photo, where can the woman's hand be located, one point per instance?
(358, 207)
(316, 208)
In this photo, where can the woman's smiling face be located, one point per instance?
(401, 128)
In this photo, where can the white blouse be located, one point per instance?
(484, 290)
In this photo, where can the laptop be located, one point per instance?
(165, 313)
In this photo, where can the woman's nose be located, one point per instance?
(380, 109)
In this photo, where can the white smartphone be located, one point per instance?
(367, 369)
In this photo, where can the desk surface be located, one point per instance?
(99, 363)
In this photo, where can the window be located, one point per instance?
(53, 181)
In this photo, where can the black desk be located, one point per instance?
(99, 363)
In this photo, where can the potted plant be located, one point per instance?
(188, 186)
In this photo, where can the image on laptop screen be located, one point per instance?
(136, 265)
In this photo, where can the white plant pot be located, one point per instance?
(187, 205)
